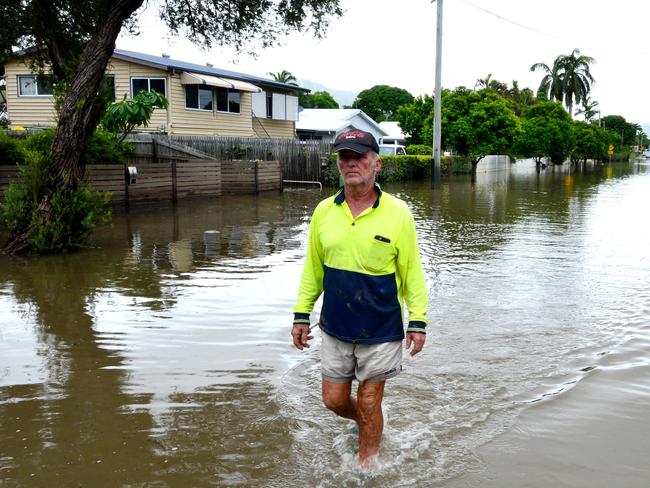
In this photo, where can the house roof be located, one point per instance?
(170, 64)
(393, 129)
(332, 120)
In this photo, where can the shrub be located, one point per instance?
(394, 168)
(102, 146)
(10, 150)
(419, 149)
(74, 214)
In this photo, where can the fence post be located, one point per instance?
(126, 185)
(257, 176)
(174, 188)
(154, 150)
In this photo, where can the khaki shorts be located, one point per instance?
(341, 362)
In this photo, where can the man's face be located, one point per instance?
(358, 169)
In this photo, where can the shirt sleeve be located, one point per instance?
(413, 286)
(311, 281)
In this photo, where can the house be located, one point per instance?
(395, 134)
(203, 100)
(326, 123)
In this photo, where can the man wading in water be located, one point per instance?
(363, 255)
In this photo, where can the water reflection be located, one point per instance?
(161, 356)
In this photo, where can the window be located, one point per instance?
(228, 100)
(269, 105)
(147, 84)
(33, 85)
(198, 97)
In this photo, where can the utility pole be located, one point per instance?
(435, 170)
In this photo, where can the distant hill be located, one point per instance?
(343, 97)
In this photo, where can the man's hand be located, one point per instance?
(417, 339)
(301, 337)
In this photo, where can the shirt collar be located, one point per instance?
(340, 196)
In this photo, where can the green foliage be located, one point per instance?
(319, 99)
(419, 150)
(624, 131)
(73, 214)
(568, 80)
(284, 76)
(547, 131)
(40, 141)
(382, 101)
(414, 117)
(478, 123)
(591, 142)
(122, 117)
(398, 168)
(102, 146)
(10, 150)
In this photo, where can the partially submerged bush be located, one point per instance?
(73, 214)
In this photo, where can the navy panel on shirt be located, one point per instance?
(361, 308)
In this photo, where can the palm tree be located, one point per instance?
(284, 76)
(588, 108)
(568, 81)
(577, 78)
(551, 85)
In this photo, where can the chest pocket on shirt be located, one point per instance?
(379, 256)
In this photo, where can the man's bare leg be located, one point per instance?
(337, 397)
(371, 421)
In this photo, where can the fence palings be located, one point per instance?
(301, 160)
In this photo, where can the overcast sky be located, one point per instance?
(393, 42)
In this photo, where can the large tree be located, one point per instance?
(476, 124)
(382, 101)
(75, 40)
(415, 118)
(319, 99)
(547, 131)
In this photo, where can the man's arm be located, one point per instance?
(413, 285)
(311, 286)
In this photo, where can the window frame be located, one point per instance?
(228, 92)
(35, 78)
(148, 78)
(198, 98)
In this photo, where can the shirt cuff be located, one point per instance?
(301, 318)
(417, 326)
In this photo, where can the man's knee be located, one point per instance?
(369, 400)
(336, 402)
(336, 397)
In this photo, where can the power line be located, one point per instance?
(505, 19)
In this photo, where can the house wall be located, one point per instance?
(35, 111)
(197, 122)
(276, 129)
(39, 111)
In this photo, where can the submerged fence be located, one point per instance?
(174, 180)
(301, 160)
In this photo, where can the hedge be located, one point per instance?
(402, 168)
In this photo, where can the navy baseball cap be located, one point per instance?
(355, 140)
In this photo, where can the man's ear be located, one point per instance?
(377, 165)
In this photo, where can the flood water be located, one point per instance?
(162, 357)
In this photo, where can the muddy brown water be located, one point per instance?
(162, 357)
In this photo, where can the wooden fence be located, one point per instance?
(175, 180)
(301, 160)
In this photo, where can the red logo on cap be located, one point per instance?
(353, 134)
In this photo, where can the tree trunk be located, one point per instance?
(78, 116)
(79, 113)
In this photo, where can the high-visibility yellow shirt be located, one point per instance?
(367, 267)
